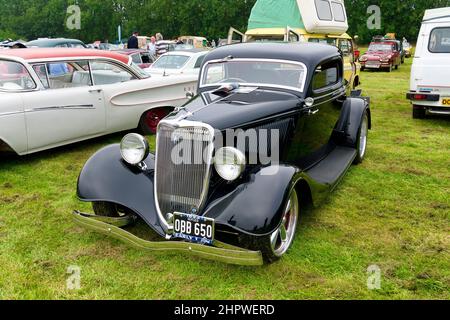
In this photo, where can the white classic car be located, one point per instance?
(54, 97)
(178, 62)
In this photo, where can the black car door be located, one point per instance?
(318, 121)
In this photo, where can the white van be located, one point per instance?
(430, 74)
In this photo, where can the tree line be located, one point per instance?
(30, 19)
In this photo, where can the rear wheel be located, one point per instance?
(150, 120)
(275, 245)
(361, 146)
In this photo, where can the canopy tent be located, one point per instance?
(275, 14)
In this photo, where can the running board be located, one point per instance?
(331, 169)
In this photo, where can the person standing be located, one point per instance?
(133, 42)
(161, 45)
(152, 47)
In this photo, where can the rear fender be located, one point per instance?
(347, 128)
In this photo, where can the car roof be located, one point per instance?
(129, 51)
(310, 54)
(57, 53)
(53, 41)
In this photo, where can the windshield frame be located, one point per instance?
(301, 89)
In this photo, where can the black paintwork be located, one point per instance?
(316, 147)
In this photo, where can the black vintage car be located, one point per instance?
(270, 127)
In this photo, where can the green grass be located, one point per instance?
(392, 211)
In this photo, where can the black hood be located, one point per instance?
(238, 109)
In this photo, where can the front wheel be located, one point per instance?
(108, 209)
(361, 146)
(275, 245)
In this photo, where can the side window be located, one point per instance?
(41, 71)
(146, 58)
(324, 10)
(199, 62)
(439, 40)
(338, 12)
(62, 75)
(14, 76)
(347, 48)
(109, 73)
(136, 58)
(326, 75)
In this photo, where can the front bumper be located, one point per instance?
(220, 252)
(375, 64)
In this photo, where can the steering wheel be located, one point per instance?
(231, 80)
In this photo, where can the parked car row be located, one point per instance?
(50, 98)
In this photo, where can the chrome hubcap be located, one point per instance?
(363, 136)
(282, 238)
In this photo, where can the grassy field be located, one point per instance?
(392, 211)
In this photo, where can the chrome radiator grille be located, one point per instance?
(182, 170)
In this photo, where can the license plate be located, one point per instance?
(446, 102)
(193, 228)
(375, 66)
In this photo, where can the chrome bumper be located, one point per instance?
(220, 252)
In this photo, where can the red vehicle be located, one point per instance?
(140, 57)
(381, 55)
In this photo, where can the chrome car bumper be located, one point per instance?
(220, 252)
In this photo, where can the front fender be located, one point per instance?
(256, 206)
(107, 178)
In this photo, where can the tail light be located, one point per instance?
(422, 97)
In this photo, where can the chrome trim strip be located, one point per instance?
(74, 107)
(10, 113)
(202, 75)
(183, 124)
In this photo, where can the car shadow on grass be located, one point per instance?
(87, 147)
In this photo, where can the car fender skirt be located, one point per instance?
(107, 178)
(256, 206)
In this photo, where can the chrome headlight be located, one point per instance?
(229, 163)
(134, 148)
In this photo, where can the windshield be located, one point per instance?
(14, 76)
(170, 62)
(256, 72)
(380, 47)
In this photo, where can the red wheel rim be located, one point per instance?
(153, 117)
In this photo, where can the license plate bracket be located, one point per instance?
(193, 228)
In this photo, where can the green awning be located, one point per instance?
(275, 14)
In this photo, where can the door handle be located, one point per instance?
(95, 90)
